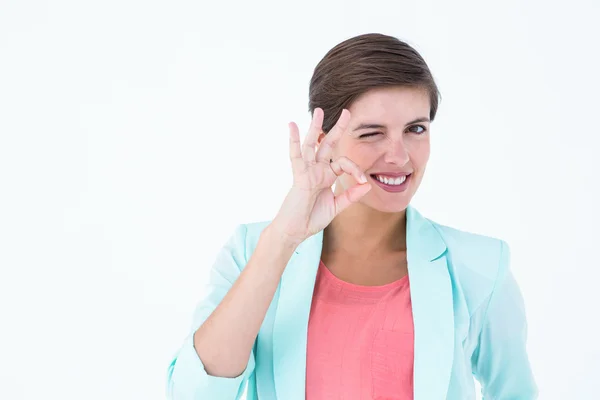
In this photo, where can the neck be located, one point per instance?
(362, 231)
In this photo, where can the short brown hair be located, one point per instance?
(365, 62)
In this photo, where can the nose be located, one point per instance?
(397, 152)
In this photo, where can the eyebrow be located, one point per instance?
(379, 126)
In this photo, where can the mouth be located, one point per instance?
(392, 184)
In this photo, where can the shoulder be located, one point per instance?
(474, 251)
(253, 229)
(476, 262)
(245, 236)
(234, 254)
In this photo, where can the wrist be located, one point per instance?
(277, 234)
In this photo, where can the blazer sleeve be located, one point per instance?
(500, 361)
(186, 377)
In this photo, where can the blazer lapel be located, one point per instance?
(433, 315)
(290, 327)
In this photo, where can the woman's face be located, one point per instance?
(388, 138)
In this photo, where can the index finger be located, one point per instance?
(333, 136)
(308, 147)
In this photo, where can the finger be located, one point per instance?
(333, 136)
(345, 165)
(295, 152)
(352, 195)
(308, 148)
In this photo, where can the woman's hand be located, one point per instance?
(311, 204)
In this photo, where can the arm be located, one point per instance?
(500, 362)
(217, 358)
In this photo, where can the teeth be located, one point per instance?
(391, 181)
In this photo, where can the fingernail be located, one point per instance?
(363, 179)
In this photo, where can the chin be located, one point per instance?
(396, 206)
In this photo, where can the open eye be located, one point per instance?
(423, 129)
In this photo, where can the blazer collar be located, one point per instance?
(431, 296)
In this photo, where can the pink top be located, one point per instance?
(360, 341)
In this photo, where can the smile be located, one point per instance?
(393, 184)
(391, 180)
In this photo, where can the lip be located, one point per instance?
(393, 188)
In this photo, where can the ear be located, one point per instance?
(320, 138)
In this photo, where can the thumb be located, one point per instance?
(352, 195)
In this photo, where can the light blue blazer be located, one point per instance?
(469, 320)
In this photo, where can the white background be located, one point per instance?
(134, 136)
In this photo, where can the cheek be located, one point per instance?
(362, 155)
(419, 153)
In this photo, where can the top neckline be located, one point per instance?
(361, 288)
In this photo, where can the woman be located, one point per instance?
(351, 293)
